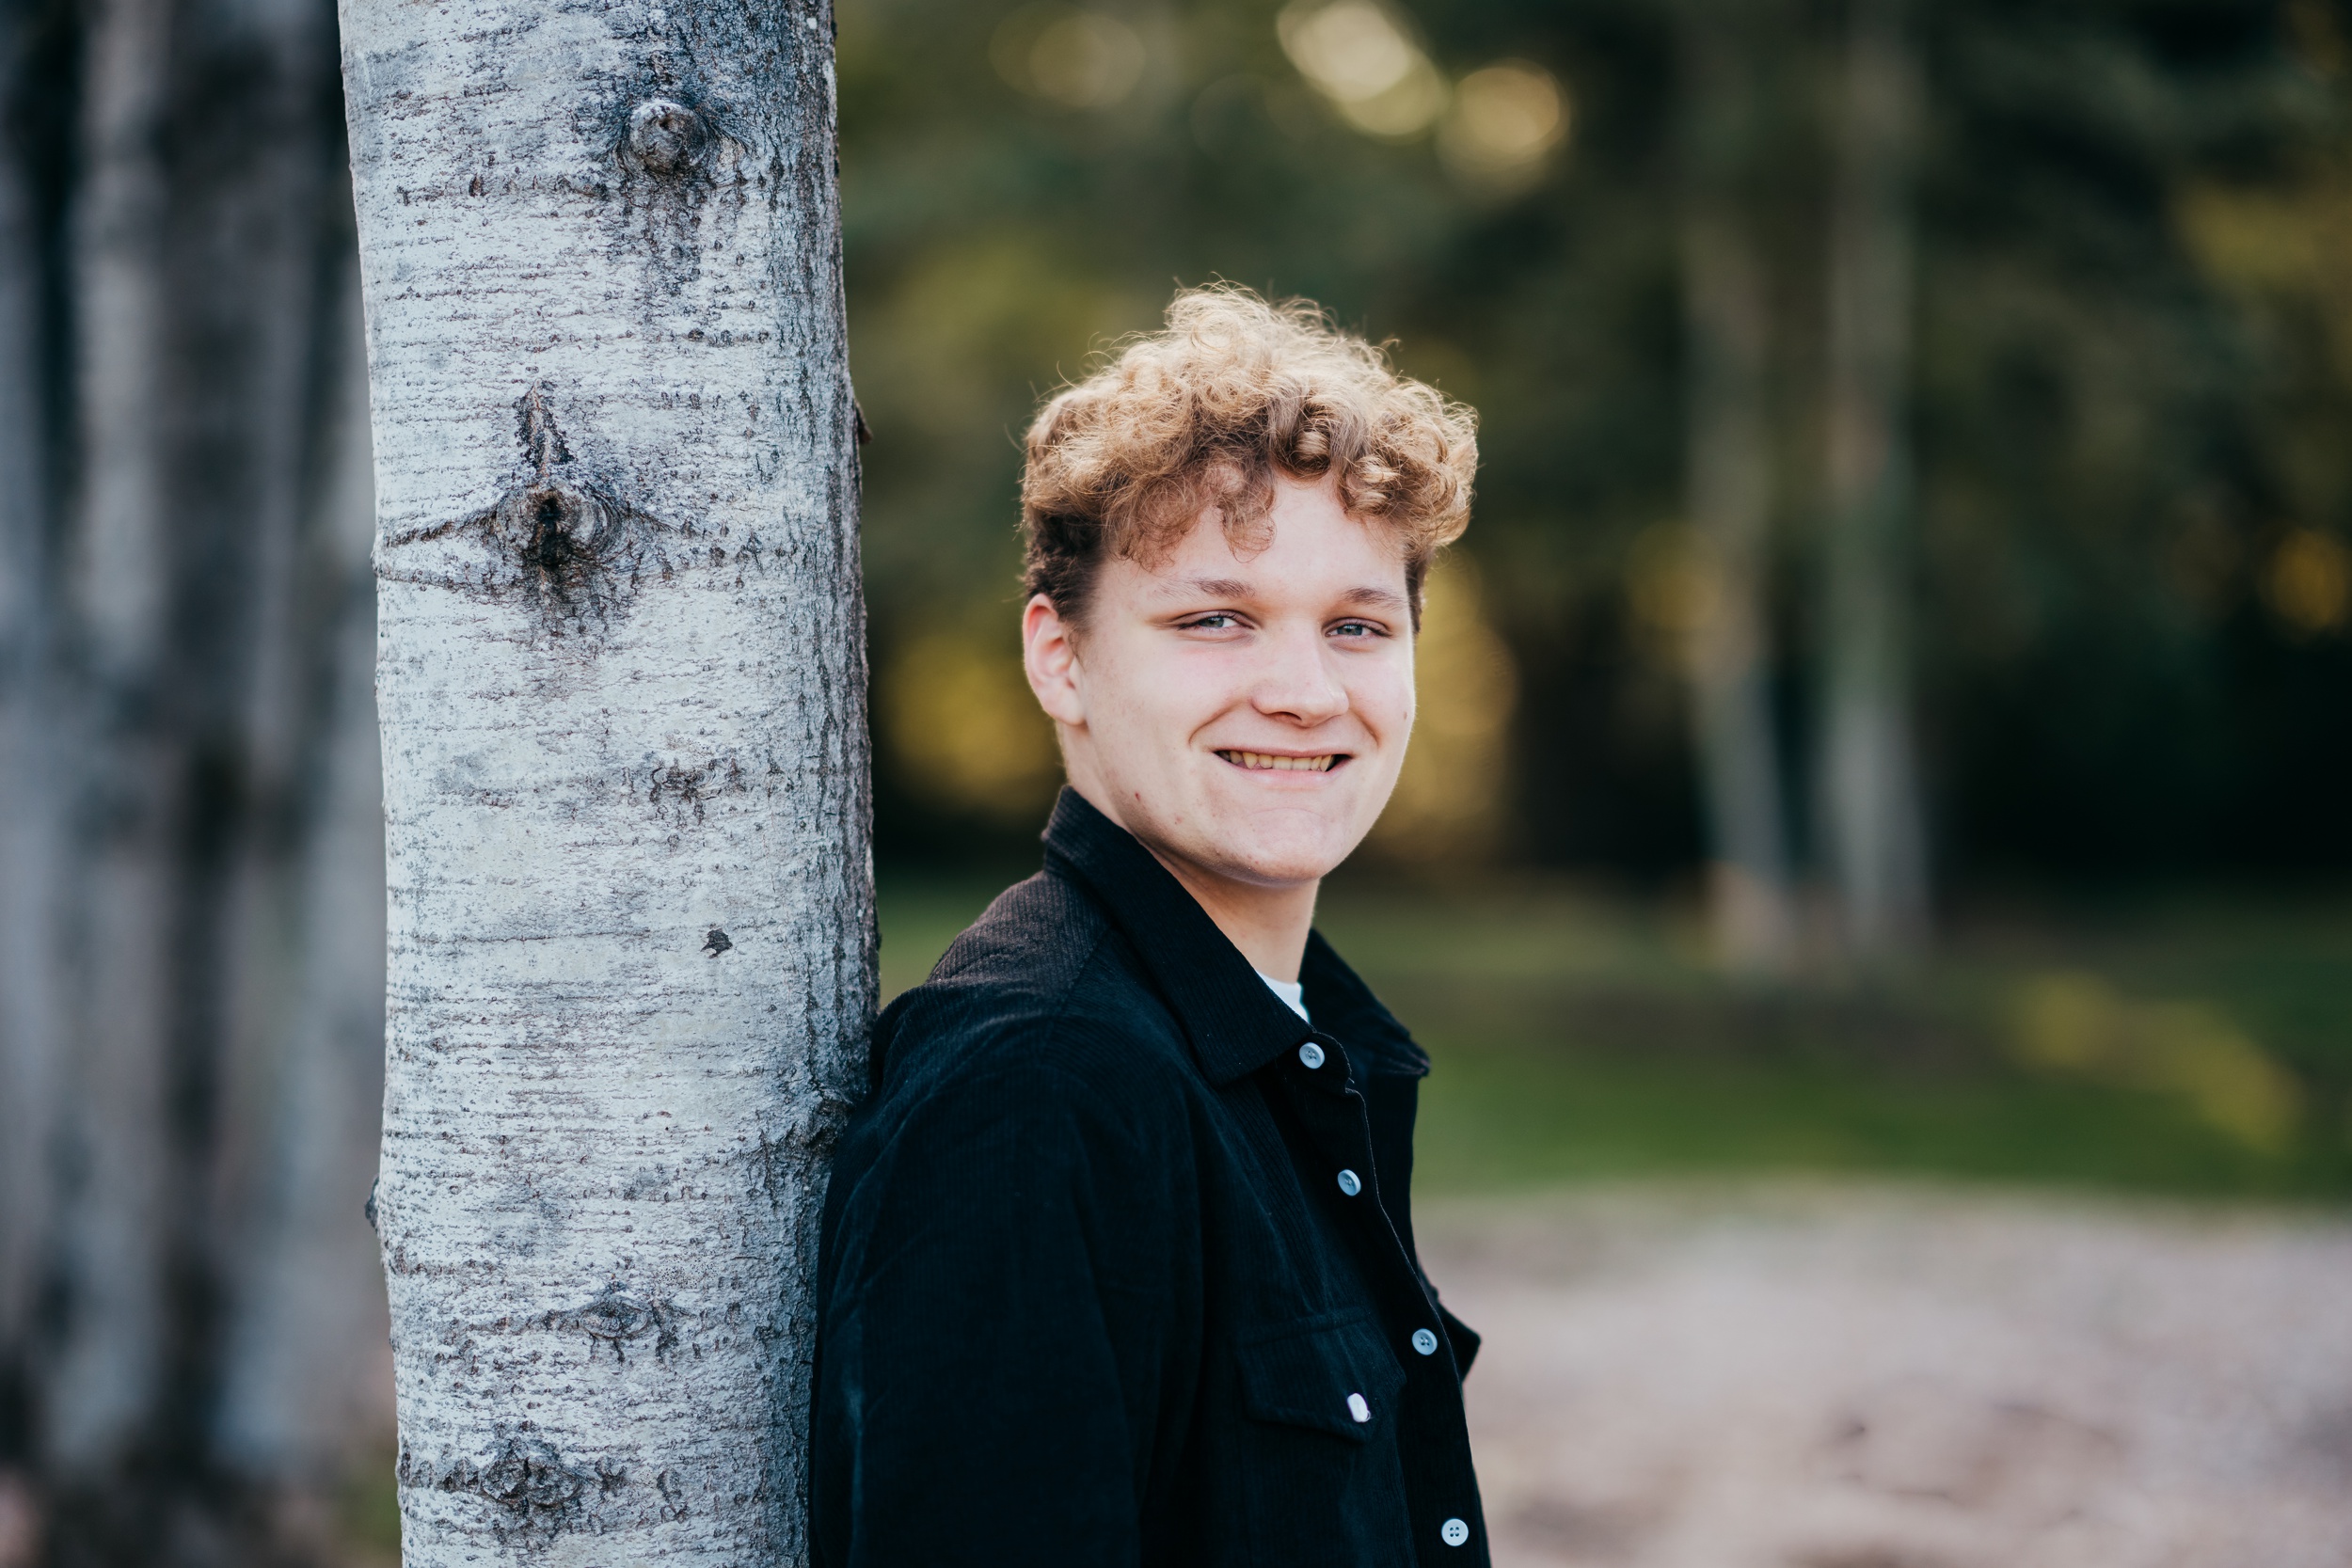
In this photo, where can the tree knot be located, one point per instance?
(575, 543)
(566, 536)
(556, 530)
(666, 139)
(527, 1477)
(616, 1318)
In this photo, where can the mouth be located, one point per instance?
(1272, 762)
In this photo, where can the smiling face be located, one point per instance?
(1243, 714)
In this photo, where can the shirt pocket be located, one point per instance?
(1324, 1476)
(1326, 1374)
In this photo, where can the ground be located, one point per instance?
(1863, 1376)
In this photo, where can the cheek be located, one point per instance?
(1159, 702)
(1190, 689)
(1384, 699)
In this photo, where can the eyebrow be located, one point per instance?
(1232, 588)
(1214, 588)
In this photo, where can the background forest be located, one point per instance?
(2127, 572)
(1891, 712)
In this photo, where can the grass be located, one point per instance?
(2194, 1048)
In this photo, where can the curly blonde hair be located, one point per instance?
(1200, 417)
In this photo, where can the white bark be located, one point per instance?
(621, 685)
(1868, 778)
(1726, 317)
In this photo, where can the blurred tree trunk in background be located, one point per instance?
(126, 1159)
(308, 1365)
(1868, 776)
(1728, 328)
(622, 684)
(27, 1026)
(184, 667)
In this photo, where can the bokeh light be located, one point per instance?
(1360, 57)
(1079, 60)
(1506, 119)
(2309, 582)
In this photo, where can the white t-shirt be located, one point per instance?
(1293, 992)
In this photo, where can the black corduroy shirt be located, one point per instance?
(1118, 1263)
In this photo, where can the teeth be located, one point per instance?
(1263, 762)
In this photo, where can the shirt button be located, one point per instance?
(1310, 1054)
(1454, 1533)
(1358, 1408)
(1424, 1341)
(1350, 1183)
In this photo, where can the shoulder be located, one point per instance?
(1035, 1068)
(1034, 938)
(1042, 992)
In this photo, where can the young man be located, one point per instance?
(1118, 1263)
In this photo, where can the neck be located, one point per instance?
(1268, 924)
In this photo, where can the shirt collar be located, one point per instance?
(1235, 1024)
(1343, 1007)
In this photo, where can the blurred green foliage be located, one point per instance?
(2198, 1049)
(2133, 389)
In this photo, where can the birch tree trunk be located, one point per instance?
(1871, 818)
(621, 685)
(1727, 326)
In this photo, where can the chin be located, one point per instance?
(1289, 853)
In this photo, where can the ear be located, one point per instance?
(1049, 654)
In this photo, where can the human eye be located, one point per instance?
(1215, 620)
(1359, 629)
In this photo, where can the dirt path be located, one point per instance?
(1880, 1378)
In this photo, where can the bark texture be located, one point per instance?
(620, 684)
(1729, 479)
(1872, 821)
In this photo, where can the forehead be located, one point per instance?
(1307, 544)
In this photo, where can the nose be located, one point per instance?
(1298, 683)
